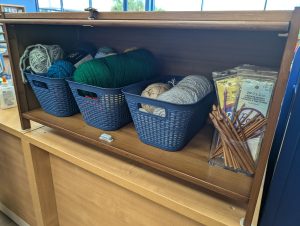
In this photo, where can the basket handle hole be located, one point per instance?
(87, 94)
(40, 84)
(153, 110)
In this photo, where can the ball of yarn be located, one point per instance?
(189, 90)
(42, 56)
(118, 70)
(55, 52)
(104, 51)
(61, 69)
(39, 60)
(153, 91)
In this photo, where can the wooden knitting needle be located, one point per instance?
(236, 152)
(236, 137)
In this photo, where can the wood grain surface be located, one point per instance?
(14, 186)
(283, 16)
(221, 25)
(10, 122)
(191, 201)
(190, 164)
(85, 199)
(41, 185)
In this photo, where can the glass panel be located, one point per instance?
(54, 4)
(178, 5)
(3, 48)
(78, 5)
(108, 5)
(136, 5)
(282, 4)
(49, 10)
(211, 5)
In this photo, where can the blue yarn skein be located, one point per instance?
(61, 69)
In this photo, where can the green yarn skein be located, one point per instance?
(119, 70)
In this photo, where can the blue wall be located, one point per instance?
(30, 5)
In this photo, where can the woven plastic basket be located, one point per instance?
(105, 109)
(176, 129)
(53, 94)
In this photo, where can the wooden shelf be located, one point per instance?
(190, 164)
(277, 15)
(223, 25)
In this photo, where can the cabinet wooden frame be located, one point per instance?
(185, 43)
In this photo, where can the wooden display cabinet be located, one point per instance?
(184, 43)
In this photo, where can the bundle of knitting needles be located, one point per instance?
(234, 134)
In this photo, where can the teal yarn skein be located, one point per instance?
(118, 70)
(61, 69)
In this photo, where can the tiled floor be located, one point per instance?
(5, 221)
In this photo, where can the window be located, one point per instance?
(78, 5)
(49, 5)
(211, 5)
(107, 5)
(166, 5)
(135, 5)
(178, 5)
(282, 4)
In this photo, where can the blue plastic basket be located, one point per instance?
(176, 129)
(53, 94)
(105, 109)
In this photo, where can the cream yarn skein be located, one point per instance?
(189, 90)
(153, 91)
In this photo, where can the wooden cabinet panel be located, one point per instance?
(14, 187)
(86, 199)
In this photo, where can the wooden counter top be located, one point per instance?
(10, 122)
(197, 204)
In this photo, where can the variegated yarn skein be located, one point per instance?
(38, 58)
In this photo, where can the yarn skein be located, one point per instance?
(153, 91)
(104, 52)
(119, 70)
(38, 58)
(84, 52)
(189, 90)
(61, 69)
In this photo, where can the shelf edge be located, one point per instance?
(155, 165)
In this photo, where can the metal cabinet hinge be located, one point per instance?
(93, 13)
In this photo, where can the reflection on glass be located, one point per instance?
(282, 4)
(222, 5)
(177, 5)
